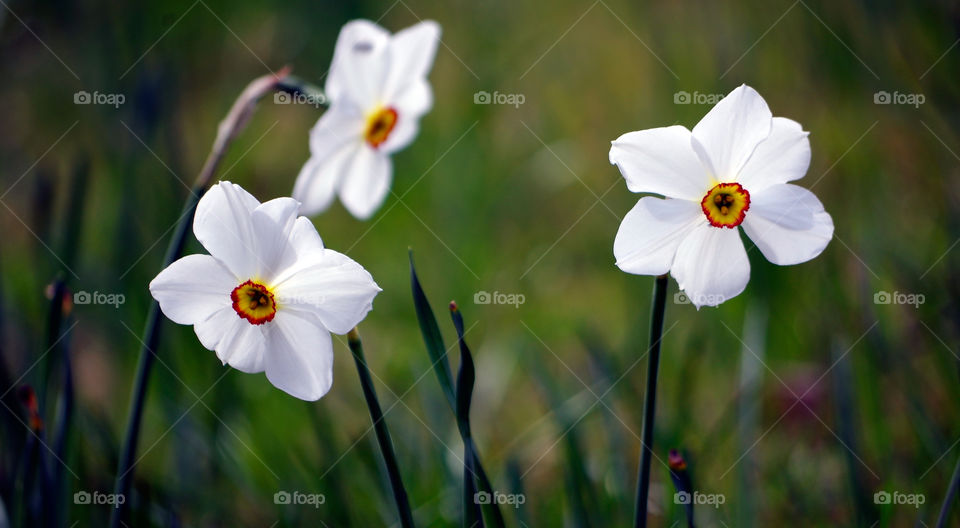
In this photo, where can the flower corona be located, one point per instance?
(726, 204)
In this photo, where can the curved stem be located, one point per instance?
(231, 125)
(650, 400)
(383, 434)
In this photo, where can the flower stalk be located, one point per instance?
(380, 427)
(650, 400)
(232, 124)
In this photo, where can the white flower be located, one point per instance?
(269, 294)
(378, 90)
(731, 170)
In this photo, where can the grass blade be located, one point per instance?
(466, 377)
(952, 492)
(432, 337)
(682, 482)
(380, 427)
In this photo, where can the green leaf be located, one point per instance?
(431, 336)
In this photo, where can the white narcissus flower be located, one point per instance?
(731, 170)
(268, 295)
(378, 90)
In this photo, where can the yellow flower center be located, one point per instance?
(379, 126)
(726, 204)
(254, 302)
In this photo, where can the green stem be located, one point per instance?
(231, 125)
(650, 400)
(380, 427)
(951, 495)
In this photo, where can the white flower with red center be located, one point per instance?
(378, 90)
(731, 170)
(269, 294)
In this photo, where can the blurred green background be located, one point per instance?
(798, 400)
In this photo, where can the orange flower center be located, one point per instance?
(254, 302)
(379, 126)
(726, 204)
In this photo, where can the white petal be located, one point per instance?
(784, 156)
(366, 183)
(215, 327)
(340, 125)
(402, 135)
(412, 104)
(304, 237)
(651, 232)
(711, 265)
(788, 224)
(318, 181)
(302, 244)
(193, 288)
(243, 346)
(414, 100)
(727, 136)
(222, 225)
(299, 360)
(333, 140)
(358, 69)
(330, 286)
(411, 53)
(272, 223)
(661, 161)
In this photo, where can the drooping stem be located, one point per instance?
(650, 400)
(380, 427)
(227, 130)
(952, 492)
